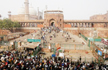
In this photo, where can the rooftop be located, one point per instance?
(53, 11)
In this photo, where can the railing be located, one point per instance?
(94, 47)
(74, 47)
(96, 55)
(84, 37)
(5, 43)
(38, 49)
(84, 59)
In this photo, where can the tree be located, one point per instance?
(1, 24)
(15, 25)
(8, 24)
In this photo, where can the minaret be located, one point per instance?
(9, 14)
(38, 12)
(26, 9)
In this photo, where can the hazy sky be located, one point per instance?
(72, 9)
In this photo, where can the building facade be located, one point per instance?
(100, 17)
(56, 18)
(27, 13)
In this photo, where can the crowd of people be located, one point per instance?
(14, 60)
(53, 33)
(25, 60)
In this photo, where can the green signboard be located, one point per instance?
(33, 40)
(97, 40)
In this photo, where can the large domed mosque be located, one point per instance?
(27, 13)
(31, 19)
(32, 11)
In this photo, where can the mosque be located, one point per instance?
(31, 20)
(27, 13)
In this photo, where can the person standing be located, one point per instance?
(80, 59)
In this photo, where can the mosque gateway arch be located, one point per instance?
(29, 17)
(54, 18)
(52, 22)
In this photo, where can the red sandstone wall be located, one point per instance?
(99, 25)
(26, 30)
(99, 17)
(17, 17)
(103, 33)
(67, 26)
(84, 32)
(4, 32)
(75, 32)
(40, 25)
(89, 33)
(53, 16)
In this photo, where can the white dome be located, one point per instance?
(21, 10)
(32, 11)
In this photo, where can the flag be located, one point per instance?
(102, 40)
(107, 42)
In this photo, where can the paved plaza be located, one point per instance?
(75, 56)
(75, 43)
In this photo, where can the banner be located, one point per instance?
(61, 54)
(105, 41)
(102, 40)
(99, 53)
(53, 55)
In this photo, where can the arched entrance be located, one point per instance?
(92, 25)
(52, 22)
